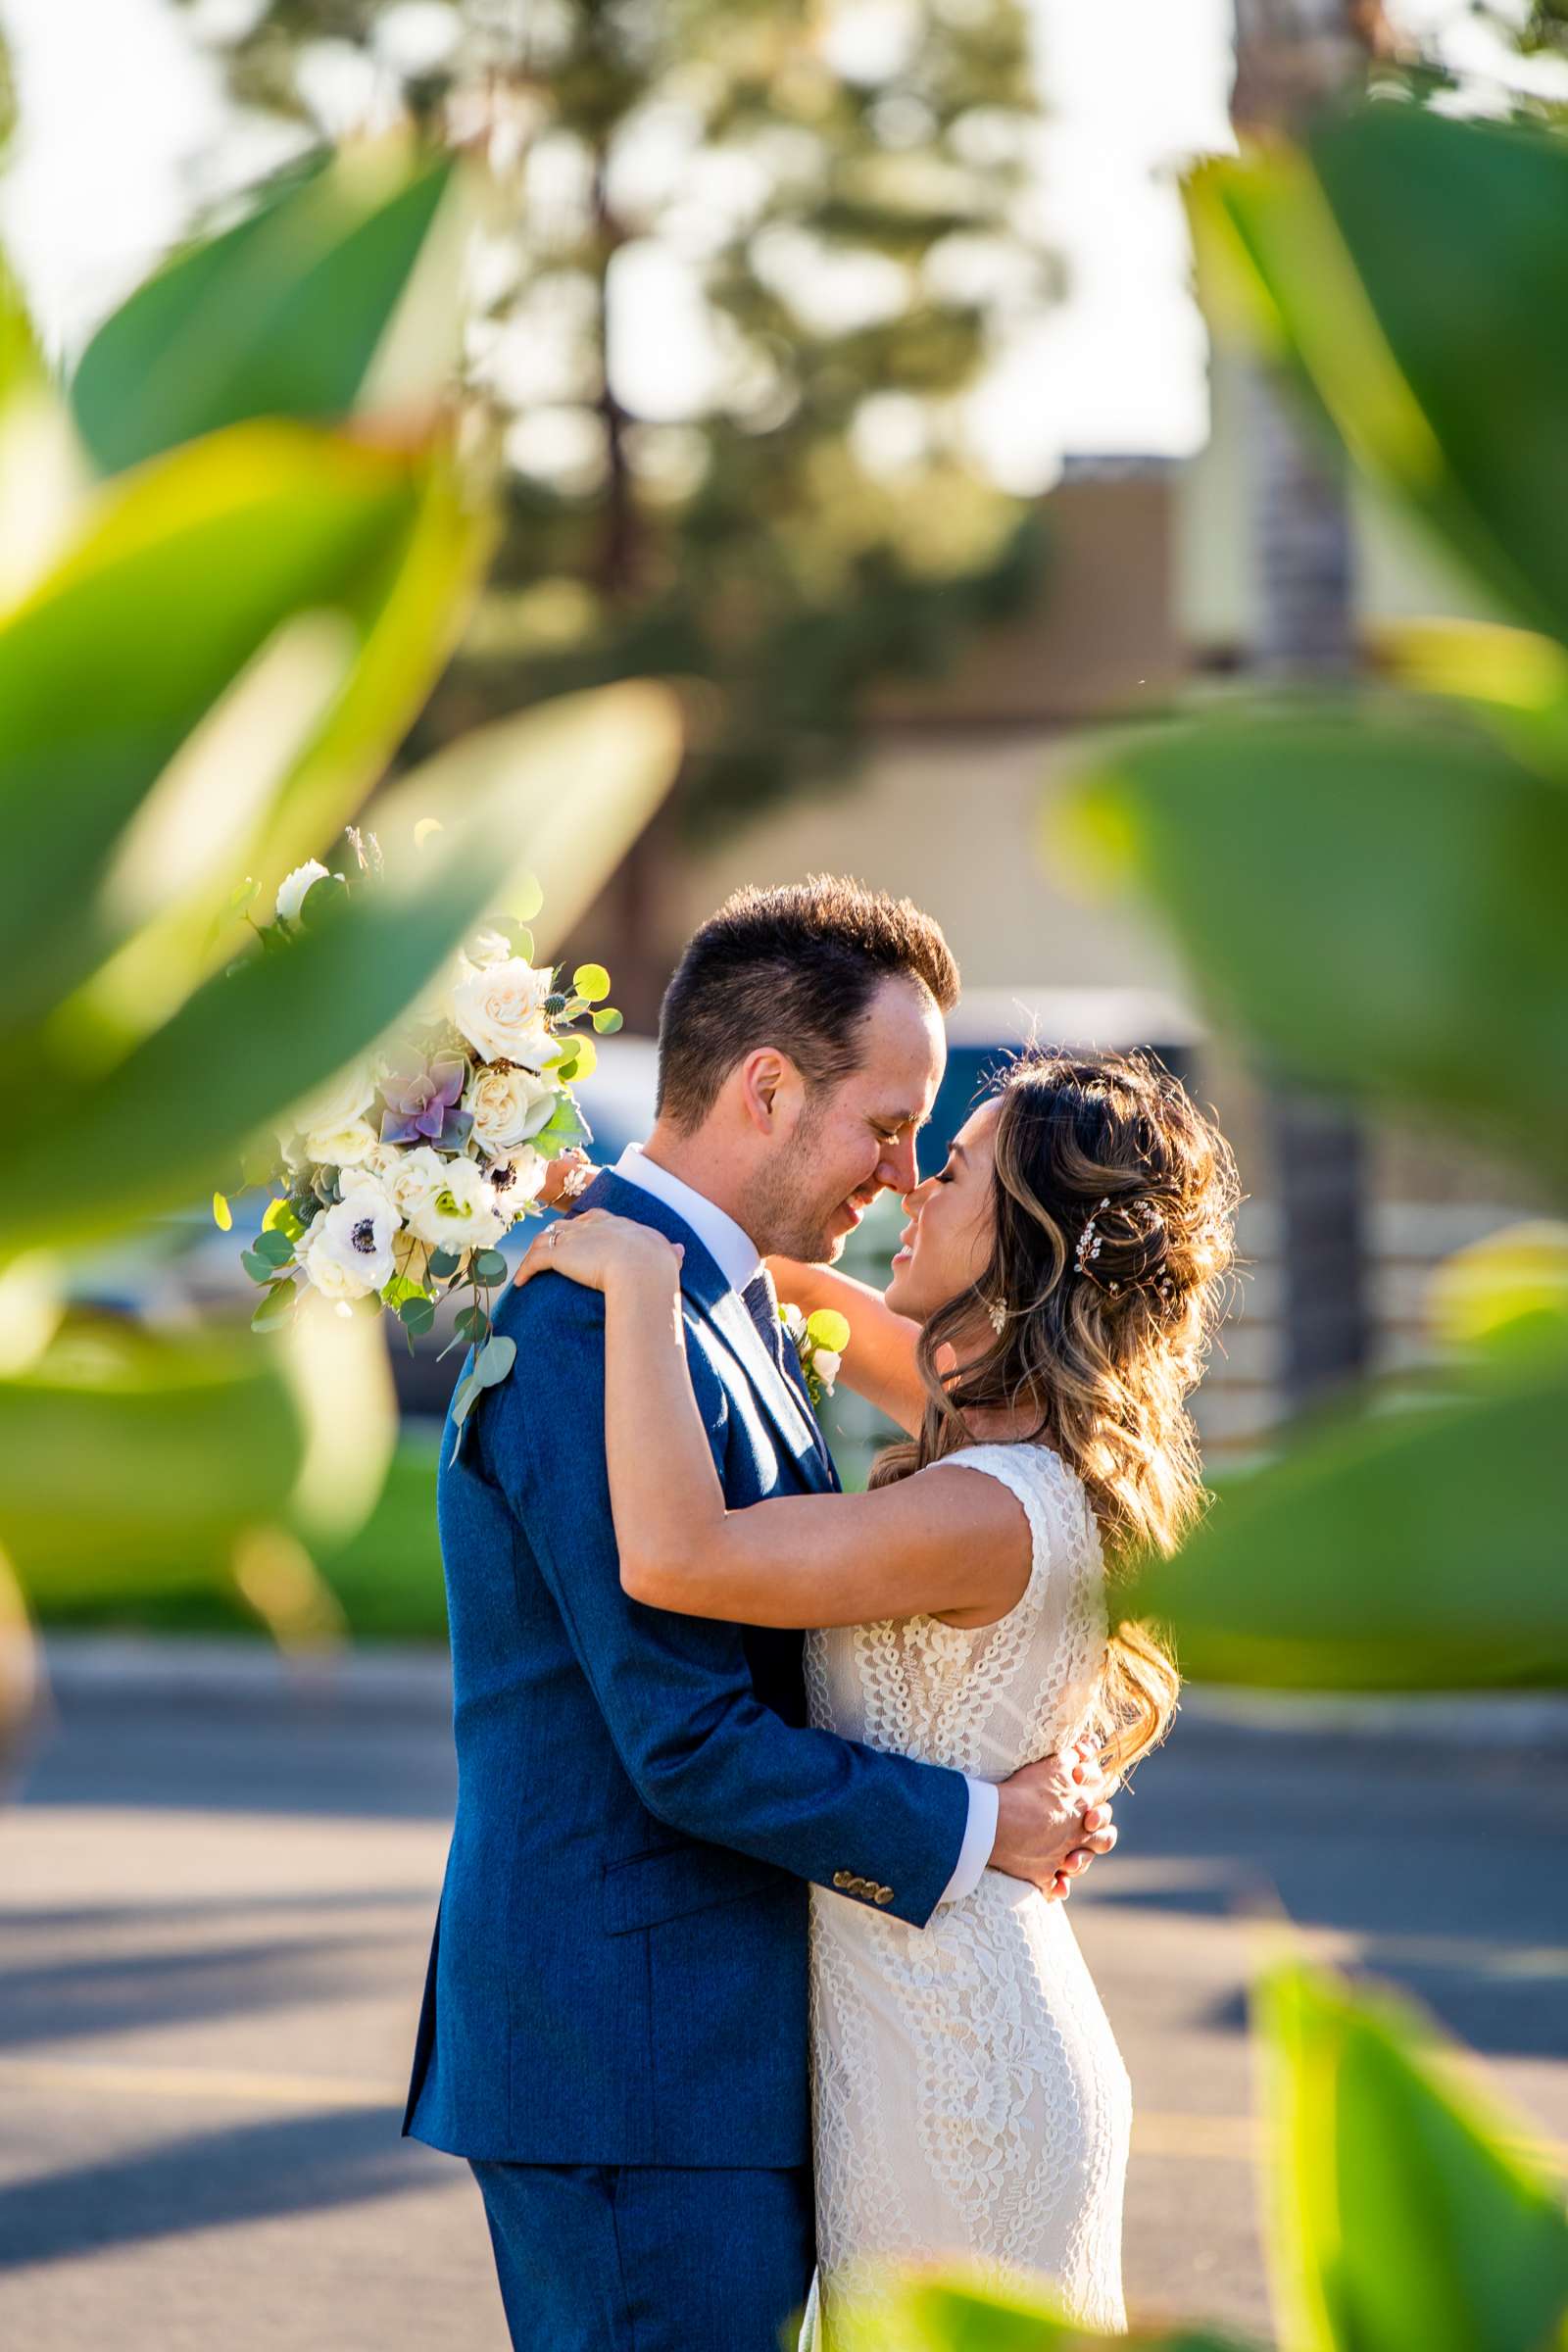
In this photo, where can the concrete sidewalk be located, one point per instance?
(215, 1900)
(416, 1680)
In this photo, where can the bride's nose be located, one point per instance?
(914, 1199)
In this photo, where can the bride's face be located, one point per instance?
(946, 1242)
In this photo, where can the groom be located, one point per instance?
(614, 2029)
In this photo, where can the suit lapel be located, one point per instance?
(705, 1285)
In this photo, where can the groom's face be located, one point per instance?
(854, 1138)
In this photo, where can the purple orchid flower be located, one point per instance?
(420, 1104)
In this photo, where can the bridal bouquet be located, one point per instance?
(396, 1180)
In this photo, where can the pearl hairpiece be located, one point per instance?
(1090, 1241)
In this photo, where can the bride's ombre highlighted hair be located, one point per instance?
(1115, 1206)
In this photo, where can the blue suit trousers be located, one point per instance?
(640, 2258)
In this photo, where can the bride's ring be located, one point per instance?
(552, 1237)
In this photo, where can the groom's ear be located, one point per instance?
(769, 1082)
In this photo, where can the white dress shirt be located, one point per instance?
(738, 1259)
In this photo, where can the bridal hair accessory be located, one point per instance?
(997, 1316)
(1090, 1241)
(819, 1341)
(396, 1177)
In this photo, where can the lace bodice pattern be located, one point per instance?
(969, 2096)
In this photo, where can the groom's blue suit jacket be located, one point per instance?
(620, 1967)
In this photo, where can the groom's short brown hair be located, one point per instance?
(794, 968)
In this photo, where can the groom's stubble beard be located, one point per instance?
(785, 1214)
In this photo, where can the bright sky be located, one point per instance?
(107, 162)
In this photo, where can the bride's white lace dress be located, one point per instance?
(969, 2096)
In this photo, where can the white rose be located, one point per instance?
(291, 891)
(500, 1010)
(335, 1104)
(340, 1147)
(356, 1242)
(484, 947)
(458, 1215)
(825, 1364)
(419, 1174)
(508, 1107)
(379, 1165)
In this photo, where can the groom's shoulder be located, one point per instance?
(550, 1304)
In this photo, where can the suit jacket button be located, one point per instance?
(842, 1880)
(884, 1895)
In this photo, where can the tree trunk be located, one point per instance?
(1291, 56)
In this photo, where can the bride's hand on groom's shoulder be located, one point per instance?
(1052, 1819)
(602, 1252)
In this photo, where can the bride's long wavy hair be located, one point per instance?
(1104, 1353)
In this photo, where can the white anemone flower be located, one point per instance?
(354, 1247)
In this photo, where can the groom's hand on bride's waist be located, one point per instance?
(1052, 1818)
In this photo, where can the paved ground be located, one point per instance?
(213, 1923)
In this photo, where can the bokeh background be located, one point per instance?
(1096, 471)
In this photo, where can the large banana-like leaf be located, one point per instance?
(952, 2309)
(130, 1450)
(1414, 268)
(180, 577)
(148, 1460)
(1374, 892)
(282, 315)
(1418, 1550)
(162, 1125)
(1402, 2214)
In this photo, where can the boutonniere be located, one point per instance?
(819, 1341)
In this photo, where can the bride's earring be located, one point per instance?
(998, 1316)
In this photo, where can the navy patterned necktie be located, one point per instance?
(761, 1300)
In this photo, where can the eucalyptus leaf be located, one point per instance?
(495, 1360)
(280, 1216)
(275, 1247)
(259, 1268)
(275, 1309)
(489, 1266)
(444, 1263)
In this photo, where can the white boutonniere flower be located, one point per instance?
(819, 1341)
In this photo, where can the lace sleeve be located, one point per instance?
(1062, 1528)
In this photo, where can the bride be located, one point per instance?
(1048, 1315)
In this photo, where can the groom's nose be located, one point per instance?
(897, 1168)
